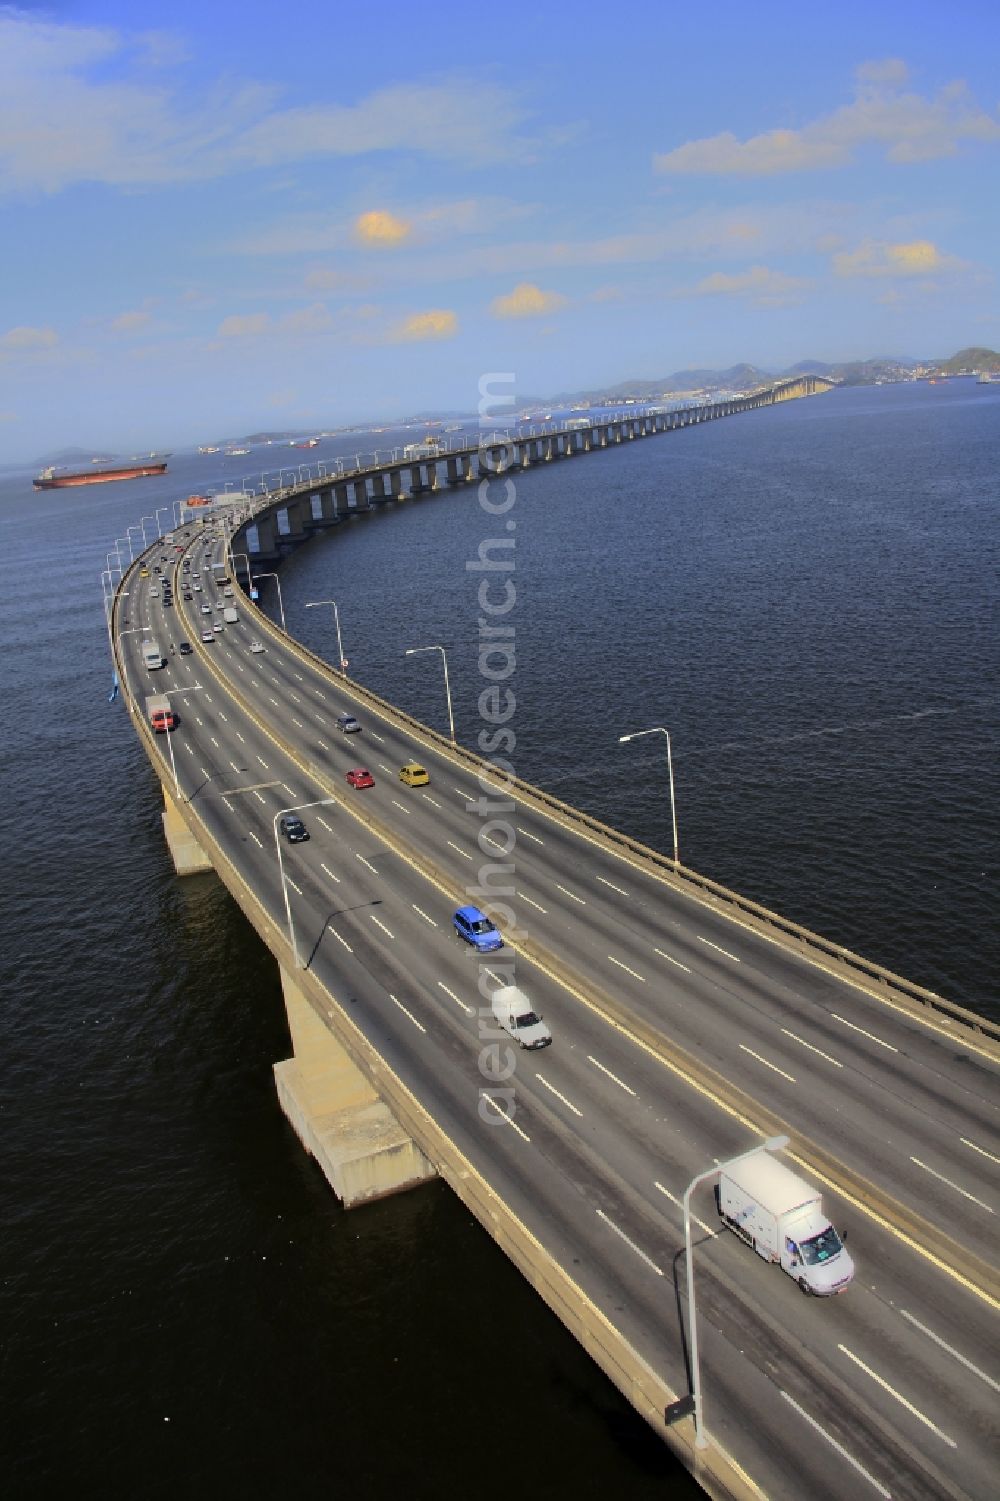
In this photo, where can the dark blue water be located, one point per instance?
(806, 596)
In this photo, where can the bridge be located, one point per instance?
(689, 1024)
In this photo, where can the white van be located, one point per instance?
(230, 616)
(152, 657)
(512, 1011)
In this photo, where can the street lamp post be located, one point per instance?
(232, 558)
(314, 604)
(278, 583)
(659, 730)
(322, 802)
(412, 651)
(134, 528)
(127, 542)
(771, 1144)
(142, 523)
(159, 529)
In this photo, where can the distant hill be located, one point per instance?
(976, 358)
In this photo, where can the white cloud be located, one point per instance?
(527, 301)
(24, 337)
(910, 258)
(760, 285)
(89, 104)
(907, 126)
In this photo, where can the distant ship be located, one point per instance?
(60, 479)
(306, 443)
(989, 378)
(209, 448)
(236, 453)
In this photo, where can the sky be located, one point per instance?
(221, 218)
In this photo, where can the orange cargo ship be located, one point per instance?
(59, 479)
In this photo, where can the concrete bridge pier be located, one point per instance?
(298, 516)
(325, 514)
(187, 854)
(267, 538)
(339, 1118)
(380, 491)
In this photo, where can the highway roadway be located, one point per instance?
(889, 1389)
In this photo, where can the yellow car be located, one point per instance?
(144, 573)
(413, 775)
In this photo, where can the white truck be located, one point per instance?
(230, 616)
(513, 1012)
(152, 657)
(781, 1217)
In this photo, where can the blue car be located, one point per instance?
(475, 927)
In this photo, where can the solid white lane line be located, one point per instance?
(543, 910)
(409, 1014)
(381, 925)
(572, 894)
(293, 885)
(634, 973)
(433, 801)
(630, 1243)
(619, 889)
(256, 841)
(671, 960)
(528, 835)
(502, 1114)
(774, 1066)
(870, 1035)
(328, 827)
(880, 1381)
(421, 913)
(718, 948)
(839, 1447)
(620, 1082)
(406, 810)
(552, 1090)
(344, 941)
(960, 1358)
(464, 853)
(469, 1011)
(329, 872)
(680, 1205)
(802, 1043)
(941, 1178)
(366, 862)
(981, 1150)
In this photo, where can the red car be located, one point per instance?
(360, 778)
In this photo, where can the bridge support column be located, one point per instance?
(187, 854)
(363, 1151)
